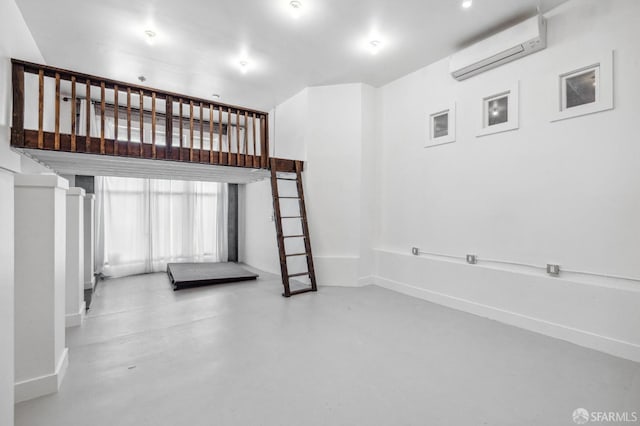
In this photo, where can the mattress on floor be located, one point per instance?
(197, 274)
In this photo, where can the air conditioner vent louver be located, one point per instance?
(521, 40)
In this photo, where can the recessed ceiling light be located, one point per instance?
(466, 4)
(244, 66)
(296, 9)
(150, 35)
(142, 78)
(375, 46)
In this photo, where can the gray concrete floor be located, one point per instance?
(240, 354)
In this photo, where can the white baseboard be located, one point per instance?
(43, 385)
(583, 338)
(75, 320)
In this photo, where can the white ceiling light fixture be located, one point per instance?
(215, 96)
(466, 4)
(244, 66)
(296, 9)
(150, 36)
(375, 46)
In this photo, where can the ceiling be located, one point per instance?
(200, 43)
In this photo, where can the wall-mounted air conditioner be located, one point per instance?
(521, 40)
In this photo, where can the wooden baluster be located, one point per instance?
(168, 126)
(220, 160)
(190, 130)
(265, 152)
(153, 125)
(87, 146)
(210, 134)
(115, 119)
(246, 140)
(141, 123)
(41, 109)
(201, 132)
(56, 141)
(181, 129)
(73, 115)
(102, 117)
(253, 129)
(238, 138)
(17, 124)
(229, 136)
(263, 144)
(128, 120)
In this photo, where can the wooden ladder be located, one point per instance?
(288, 292)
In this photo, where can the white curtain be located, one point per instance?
(143, 224)
(93, 120)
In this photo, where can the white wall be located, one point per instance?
(15, 41)
(335, 201)
(564, 192)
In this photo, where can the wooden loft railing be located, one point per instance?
(132, 121)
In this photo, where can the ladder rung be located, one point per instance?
(301, 274)
(292, 198)
(291, 217)
(296, 254)
(293, 236)
(286, 178)
(303, 290)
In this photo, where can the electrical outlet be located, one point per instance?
(415, 251)
(553, 269)
(472, 259)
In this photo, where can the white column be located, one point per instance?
(89, 241)
(41, 358)
(6, 288)
(75, 306)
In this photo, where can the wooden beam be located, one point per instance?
(17, 123)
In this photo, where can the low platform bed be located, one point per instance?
(184, 275)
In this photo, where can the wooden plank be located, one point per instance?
(168, 124)
(141, 123)
(115, 120)
(220, 156)
(279, 233)
(41, 109)
(256, 162)
(87, 140)
(263, 146)
(305, 225)
(17, 123)
(237, 137)
(181, 130)
(201, 126)
(229, 137)
(56, 144)
(247, 159)
(191, 122)
(128, 117)
(73, 115)
(211, 134)
(153, 125)
(102, 115)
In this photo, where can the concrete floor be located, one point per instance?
(240, 354)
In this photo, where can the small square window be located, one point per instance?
(442, 126)
(497, 110)
(580, 88)
(585, 90)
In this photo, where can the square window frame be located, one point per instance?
(604, 89)
(450, 137)
(513, 111)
